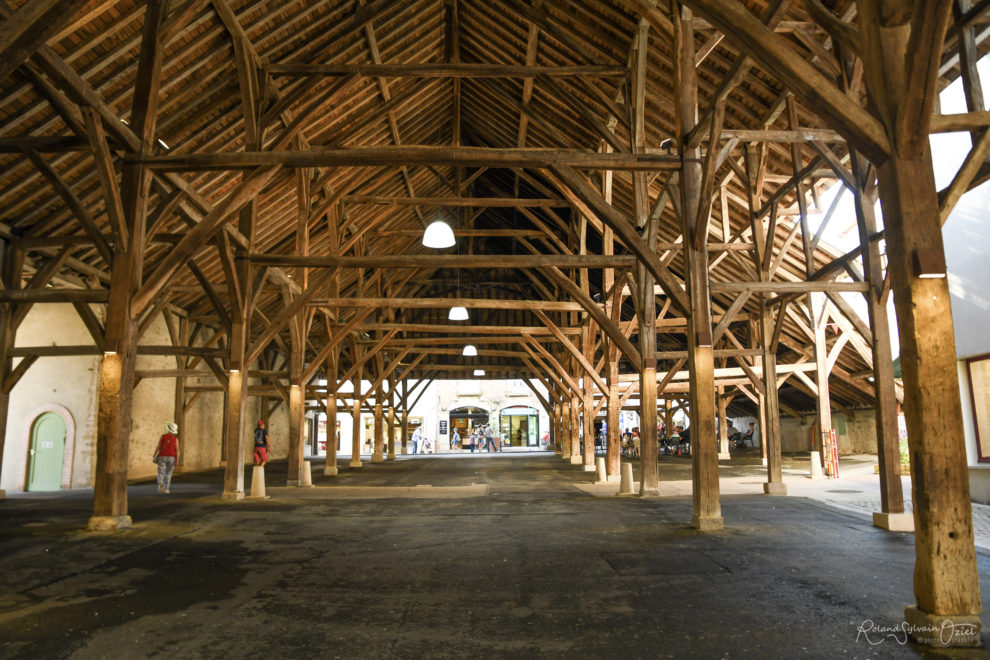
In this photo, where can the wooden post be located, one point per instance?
(330, 469)
(575, 429)
(775, 484)
(120, 347)
(356, 422)
(891, 514)
(391, 422)
(405, 416)
(819, 323)
(13, 263)
(645, 299)
(564, 425)
(694, 216)
(378, 454)
(723, 426)
(946, 581)
(179, 405)
(296, 418)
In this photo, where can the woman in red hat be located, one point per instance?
(261, 446)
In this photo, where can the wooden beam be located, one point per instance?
(444, 70)
(394, 156)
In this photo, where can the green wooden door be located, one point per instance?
(47, 453)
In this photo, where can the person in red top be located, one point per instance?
(167, 455)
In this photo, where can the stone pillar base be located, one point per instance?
(588, 468)
(775, 488)
(816, 466)
(330, 471)
(724, 456)
(895, 522)
(942, 630)
(292, 482)
(258, 483)
(600, 477)
(307, 475)
(626, 483)
(707, 523)
(355, 463)
(377, 458)
(649, 492)
(108, 523)
(233, 495)
(612, 478)
(576, 459)
(390, 457)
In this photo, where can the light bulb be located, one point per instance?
(458, 314)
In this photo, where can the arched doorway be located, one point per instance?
(520, 425)
(47, 452)
(466, 418)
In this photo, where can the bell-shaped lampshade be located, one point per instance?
(438, 235)
(470, 350)
(458, 314)
(479, 372)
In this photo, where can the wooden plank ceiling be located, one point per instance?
(559, 80)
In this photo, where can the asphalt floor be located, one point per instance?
(506, 556)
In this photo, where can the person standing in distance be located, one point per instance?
(261, 446)
(416, 437)
(167, 455)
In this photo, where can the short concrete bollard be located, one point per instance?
(600, 470)
(307, 475)
(626, 483)
(816, 466)
(258, 482)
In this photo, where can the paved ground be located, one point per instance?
(505, 557)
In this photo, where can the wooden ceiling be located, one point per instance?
(385, 115)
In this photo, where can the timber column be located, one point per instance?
(575, 430)
(356, 422)
(113, 424)
(707, 507)
(391, 424)
(723, 426)
(946, 580)
(13, 262)
(775, 482)
(296, 415)
(377, 456)
(331, 467)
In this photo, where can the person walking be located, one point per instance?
(473, 439)
(261, 446)
(489, 438)
(167, 455)
(416, 437)
(455, 440)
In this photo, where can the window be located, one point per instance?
(979, 388)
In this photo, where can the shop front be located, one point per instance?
(520, 426)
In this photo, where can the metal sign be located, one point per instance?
(443, 427)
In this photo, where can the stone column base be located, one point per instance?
(942, 630)
(588, 468)
(895, 522)
(355, 463)
(649, 492)
(707, 523)
(390, 457)
(258, 482)
(292, 482)
(612, 478)
(724, 456)
(108, 523)
(233, 495)
(307, 475)
(330, 471)
(576, 460)
(816, 466)
(377, 458)
(775, 488)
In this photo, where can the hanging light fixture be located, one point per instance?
(470, 351)
(479, 372)
(458, 313)
(438, 235)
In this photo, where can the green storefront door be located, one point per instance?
(47, 450)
